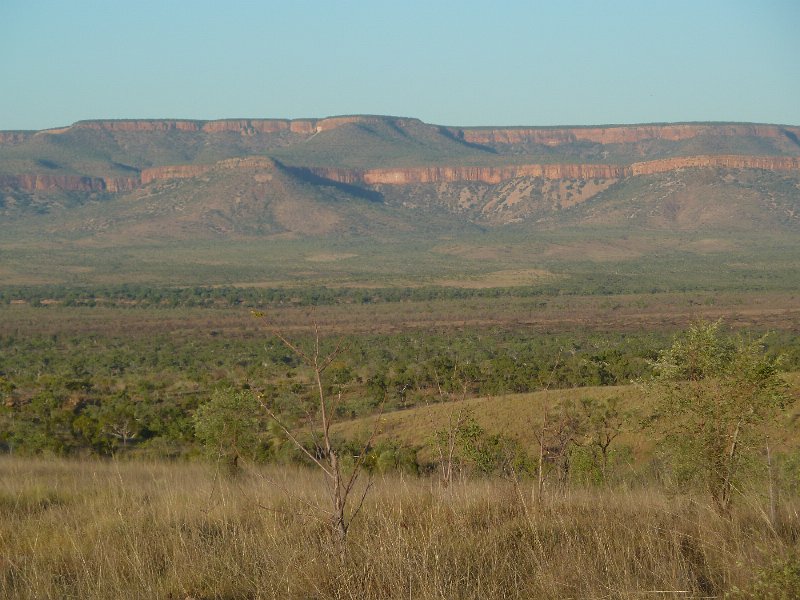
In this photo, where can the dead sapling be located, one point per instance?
(345, 500)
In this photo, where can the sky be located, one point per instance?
(555, 62)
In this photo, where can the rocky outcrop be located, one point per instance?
(116, 185)
(246, 162)
(36, 182)
(188, 171)
(173, 172)
(243, 126)
(548, 136)
(624, 134)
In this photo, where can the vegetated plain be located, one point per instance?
(116, 373)
(126, 320)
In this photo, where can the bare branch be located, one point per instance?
(292, 437)
(284, 340)
(361, 500)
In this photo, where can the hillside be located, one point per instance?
(518, 415)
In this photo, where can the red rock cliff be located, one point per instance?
(12, 138)
(491, 175)
(484, 174)
(551, 136)
(494, 175)
(770, 163)
(35, 182)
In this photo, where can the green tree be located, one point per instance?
(230, 426)
(717, 393)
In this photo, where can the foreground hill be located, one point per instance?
(519, 415)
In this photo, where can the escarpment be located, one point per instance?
(551, 171)
(620, 134)
(37, 182)
(404, 176)
(12, 138)
(483, 174)
(115, 156)
(768, 163)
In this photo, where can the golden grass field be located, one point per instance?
(122, 530)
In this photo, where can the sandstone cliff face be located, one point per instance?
(770, 163)
(302, 129)
(243, 126)
(495, 175)
(34, 182)
(483, 174)
(617, 135)
(405, 176)
(549, 136)
(12, 138)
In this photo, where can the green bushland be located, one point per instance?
(67, 390)
(105, 381)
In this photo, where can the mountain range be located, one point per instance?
(114, 183)
(241, 175)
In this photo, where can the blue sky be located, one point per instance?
(454, 63)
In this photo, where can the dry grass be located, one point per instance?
(124, 530)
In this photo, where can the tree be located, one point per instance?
(716, 393)
(324, 453)
(604, 423)
(230, 426)
(563, 427)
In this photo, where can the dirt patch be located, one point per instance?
(323, 257)
(471, 252)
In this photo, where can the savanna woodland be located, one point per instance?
(370, 357)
